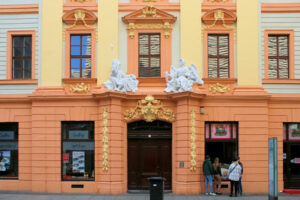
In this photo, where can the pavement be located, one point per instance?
(10, 195)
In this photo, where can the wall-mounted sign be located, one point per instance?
(294, 132)
(79, 134)
(9, 145)
(79, 146)
(7, 135)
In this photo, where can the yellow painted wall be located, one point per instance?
(191, 37)
(107, 36)
(247, 42)
(51, 63)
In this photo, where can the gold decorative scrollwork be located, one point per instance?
(219, 88)
(218, 0)
(166, 26)
(105, 139)
(193, 140)
(80, 15)
(149, 109)
(219, 15)
(149, 10)
(150, 0)
(81, 1)
(80, 88)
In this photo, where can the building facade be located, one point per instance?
(61, 130)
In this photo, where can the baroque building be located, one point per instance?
(63, 130)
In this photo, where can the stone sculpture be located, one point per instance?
(119, 81)
(183, 78)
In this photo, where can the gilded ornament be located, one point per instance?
(150, 0)
(219, 15)
(193, 140)
(80, 1)
(149, 109)
(80, 88)
(219, 88)
(149, 11)
(218, 0)
(131, 28)
(105, 139)
(80, 15)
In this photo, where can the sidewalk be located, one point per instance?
(9, 195)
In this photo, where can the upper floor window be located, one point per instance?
(80, 56)
(21, 57)
(218, 55)
(149, 55)
(278, 56)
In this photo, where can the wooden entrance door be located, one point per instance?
(149, 155)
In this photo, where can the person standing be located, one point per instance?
(235, 172)
(208, 172)
(217, 175)
(240, 187)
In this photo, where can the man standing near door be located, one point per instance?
(208, 172)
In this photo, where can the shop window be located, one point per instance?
(8, 150)
(81, 46)
(221, 140)
(218, 56)
(78, 151)
(278, 56)
(149, 55)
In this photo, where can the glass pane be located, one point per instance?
(27, 46)
(17, 41)
(155, 67)
(86, 40)
(272, 46)
(155, 44)
(212, 45)
(143, 67)
(27, 69)
(272, 68)
(17, 51)
(75, 40)
(283, 46)
(223, 68)
(86, 50)
(75, 50)
(86, 68)
(223, 46)
(143, 45)
(212, 68)
(75, 68)
(283, 68)
(220, 131)
(17, 69)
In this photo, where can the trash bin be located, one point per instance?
(156, 188)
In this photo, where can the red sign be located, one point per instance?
(66, 158)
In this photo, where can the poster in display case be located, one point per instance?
(78, 164)
(4, 161)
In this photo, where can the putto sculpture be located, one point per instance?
(183, 78)
(119, 81)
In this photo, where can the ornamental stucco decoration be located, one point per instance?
(149, 109)
(183, 78)
(119, 81)
(193, 140)
(80, 88)
(105, 139)
(219, 88)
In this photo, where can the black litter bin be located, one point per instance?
(156, 188)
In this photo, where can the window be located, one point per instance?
(9, 150)
(278, 56)
(80, 56)
(21, 57)
(149, 55)
(218, 56)
(78, 151)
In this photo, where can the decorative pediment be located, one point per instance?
(79, 17)
(149, 17)
(219, 16)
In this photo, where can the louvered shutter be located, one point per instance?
(278, 56)
(218, 56)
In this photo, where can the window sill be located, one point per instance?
(79, 80)
(281, 81)
(19, 82)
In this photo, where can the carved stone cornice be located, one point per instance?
(149, 109)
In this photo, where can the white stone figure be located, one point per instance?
(183, 78)
(119, 81)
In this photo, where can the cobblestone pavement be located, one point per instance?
(5, 195)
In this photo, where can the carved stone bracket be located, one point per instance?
(149, 109)
(219, 88)
(105, 139)
(80, 88)
(193, 140)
